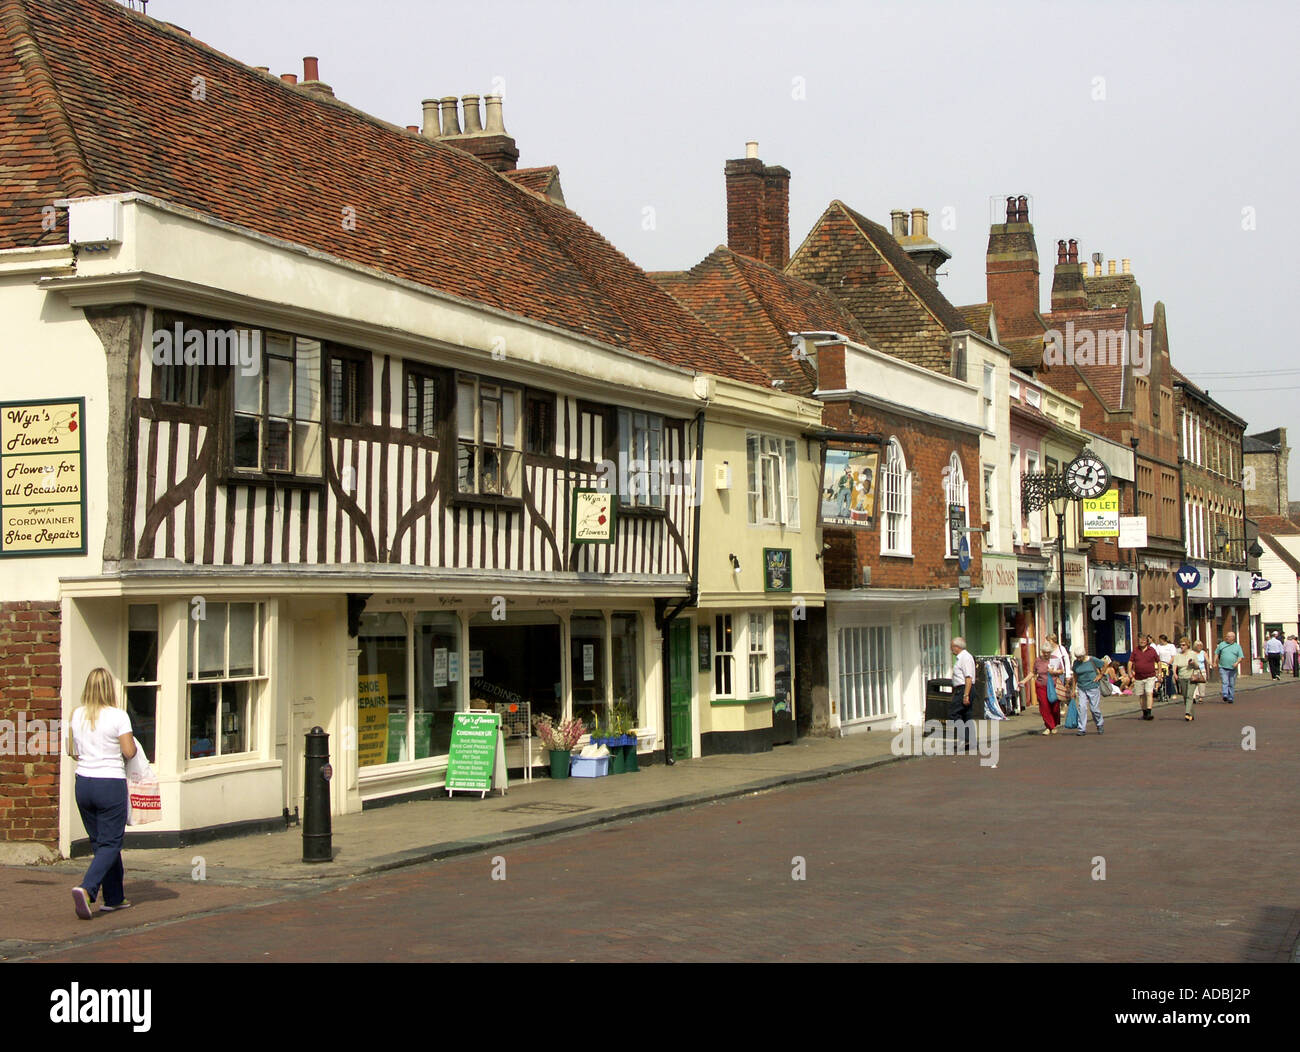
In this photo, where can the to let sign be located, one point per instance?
(42, 478)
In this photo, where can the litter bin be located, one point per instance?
(938, 698)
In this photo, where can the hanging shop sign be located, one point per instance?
(1132, 531)
(1030, 582)
(1259, 583)
(42, 478)
(849, 481)
(593, 517)
(476, 756)
(776, 570)
(956, 526)
(1187, 577)
(1101, 515)
(1076, 574)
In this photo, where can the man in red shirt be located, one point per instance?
(1142, 667)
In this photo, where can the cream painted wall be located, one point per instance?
(49, 350)
(1279, 603)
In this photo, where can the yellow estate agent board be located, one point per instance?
(42, 478)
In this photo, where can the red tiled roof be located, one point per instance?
(1276, 524)
(544, 181)
(112, 92)
(977, 316)
(1106, 378)
(755, 307)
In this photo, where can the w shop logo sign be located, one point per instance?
(1188, 576)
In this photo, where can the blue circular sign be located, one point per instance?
(963, 554)
(1188, 576)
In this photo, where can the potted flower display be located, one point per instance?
(615, 732)
(559, 740)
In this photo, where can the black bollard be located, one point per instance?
(317, 835)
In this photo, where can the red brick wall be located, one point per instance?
(927, 448)
(30, 679)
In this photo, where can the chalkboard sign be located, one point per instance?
(473, 754)
(703, 644)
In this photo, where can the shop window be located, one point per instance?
(935, 662)
(224, 667)
(539, 427)
(896, 502)
(866, 673)
(277, 412)
(382, 697)
(625, 653)
(758, 653)
(587, 665)
(723, 657)
(421, 402)
(347, 381)
(641, 455)
(772, 469)
(517, 660)
(437, 682)
(487, 439)
(142, 675)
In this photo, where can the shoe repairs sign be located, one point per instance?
(42, 478)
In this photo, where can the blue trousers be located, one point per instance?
(1228, 677)
(103, 806)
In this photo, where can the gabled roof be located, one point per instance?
(1251, 444)
(1281, 552)
(1276, 524)
(754, 308)
(95, 99)
(978, 318)
(862, 265)
(1106, 378)
(544, 181)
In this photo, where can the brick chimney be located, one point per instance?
(1068, 292)
(758, 209)
(1011, 270)
(486, 138)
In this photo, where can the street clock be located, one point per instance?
(1086, 476)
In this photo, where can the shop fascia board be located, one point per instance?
(783, 600)
(175, 258)
(897, 596)
(373, 579)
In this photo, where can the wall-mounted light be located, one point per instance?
(735, 563)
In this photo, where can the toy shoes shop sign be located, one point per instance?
(42, 478)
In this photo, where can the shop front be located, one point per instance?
(986, 621)
(1076, 584)
(1200, 608)
(1111, 593)
(1025, 635)
(1230, 592)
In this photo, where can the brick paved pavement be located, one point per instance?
(932, 859)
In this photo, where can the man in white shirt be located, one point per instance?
(1273, 649)
(1166, 649)
(963, 686)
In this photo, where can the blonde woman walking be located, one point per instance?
(101, 741)
(1183, 666)
(1201, 675)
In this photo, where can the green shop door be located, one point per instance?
(679, 686)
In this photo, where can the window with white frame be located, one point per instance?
(934, 651)
(866, 673)
(277, 410)
(956, 493)
(772, 472)
(724, 662)
(224, 667)
(990, 506)
(1013, 388)
(142, 674)
(640, 450)
(1035, 517)
(757, 653)
(896, 502)
(1033, 397)
(990, 416)
(1017, 525)
(488, 458)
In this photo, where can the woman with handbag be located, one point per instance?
(1086, 683)
(1200, 674)
(1185, 665)
(1044, 687)
(101, 741)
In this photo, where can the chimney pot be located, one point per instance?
(898, 221)
(495, 124)
(430, 118)
(413, 128)
(311, 68)
(920, 223)
(1060, 252)
(1110, 266)
(289, 78)
(1022, 208)
(450, 116)
(1073, 256)
(1127, 266)
(1011, 209)
(751, 149)
(473, 119)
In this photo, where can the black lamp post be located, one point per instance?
(1059, 504)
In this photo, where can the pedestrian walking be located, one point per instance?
(963, 683)
(1185, 666)
(1144, 667)
(1273, 649)
(1202, 673)
(1291, 656)
(1228, 656)
(1041, 674)
(1087, 688)
(101, 741)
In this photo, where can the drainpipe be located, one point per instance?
(665, 617)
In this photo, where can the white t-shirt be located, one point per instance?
(99, 752)
(1060, 663)
(1166, 652)
(962, 667)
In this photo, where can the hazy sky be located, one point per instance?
(1161, 132)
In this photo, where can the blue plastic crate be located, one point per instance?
(591, 767)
